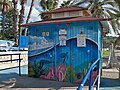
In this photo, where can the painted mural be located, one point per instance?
(49, 59)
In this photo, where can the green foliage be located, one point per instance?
(9, 31)
(107, 42)
(83, 65)
(70, 74)
(43, 16)
(105, 53)
(118, 3)
(48, 5)
(67, 3)
(105, 9)
(38, 69)
(30, 70)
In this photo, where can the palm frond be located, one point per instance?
(108, 2)
(43, 4)
(114, 26)
(118, 3)
(113, 9)
(81, 2)
(113, 15)
(67, 3)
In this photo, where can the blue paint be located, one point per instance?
(64, 63)
(23, 42)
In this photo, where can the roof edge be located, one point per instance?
(77, 9)
(52, 21)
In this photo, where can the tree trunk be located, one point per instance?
(112, 58)
(21, 16)
(3, 15)
(15, 21)
(117, 40)
(28, 17)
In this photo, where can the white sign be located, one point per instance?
(81, 40)
(62, 31)
(62, 37)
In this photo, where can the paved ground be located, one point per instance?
(15, 81)
(41, 83)
(5, 65)
(110, 77)
(109, 81)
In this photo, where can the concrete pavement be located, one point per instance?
(29, 82)
(110, 77)
(23, 56)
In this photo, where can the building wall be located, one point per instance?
(49, 60)
(67, 14)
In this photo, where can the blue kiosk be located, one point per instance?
(64, 45)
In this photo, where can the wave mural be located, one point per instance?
(63, 63)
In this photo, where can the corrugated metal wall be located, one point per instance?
(49, 60)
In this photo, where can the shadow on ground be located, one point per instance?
(110, 84)
(7, 76)
(107, 82)
(28, 82)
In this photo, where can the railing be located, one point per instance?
(11, 59)
(89, 74)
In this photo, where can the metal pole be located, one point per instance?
(98, 81)
(55, 63)
(90, 81)
(19, 66)
(119, 72)
(11, 58)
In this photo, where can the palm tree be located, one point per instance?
(21, 16)
(3, 17)
(48, 5)
(67, 3)
(108, 9)
(1, 2)
(5, 6)
(105, 9)
(28, 17)
(15, 20)
(70, 3)
(118, 3)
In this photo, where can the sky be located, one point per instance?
(35, 11)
